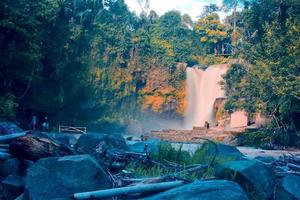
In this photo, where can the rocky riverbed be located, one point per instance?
(38, 165)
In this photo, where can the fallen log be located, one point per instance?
(4, 150)
(294, 167)
(157, 187)
(136, 181)
(4, 146)
(4, 138)
(195, 169)
(33, 148)
(4, 155)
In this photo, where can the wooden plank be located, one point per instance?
(155, 187)
(4, 155)
(72, 129)
(4, 138)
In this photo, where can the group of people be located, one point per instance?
(45, 123)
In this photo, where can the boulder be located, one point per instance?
(266, 159)
(13, 186)
(9, 128)
(256, 178)
(151, 145)
(60, 177)
(217, 153)
(99, 142)
(10, 166)
(14, 166)
(288, 188)
(34, 147)
(68, 139)
(204, 190)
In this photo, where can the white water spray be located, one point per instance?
(202, 90)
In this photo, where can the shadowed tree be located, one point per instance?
(233, 5)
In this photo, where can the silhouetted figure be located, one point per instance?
(206, 125)
(45, 124)
(34, 122)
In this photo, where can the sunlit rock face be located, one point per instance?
(203, 89)
(221, 116)
(159, 96)
(238, 119)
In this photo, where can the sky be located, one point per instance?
(191, 7)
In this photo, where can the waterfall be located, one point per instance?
(202, 90)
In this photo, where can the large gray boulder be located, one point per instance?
(13, 186)
(151, 145)
(68, 139)
(204, 190)
(288, 188)
(9, 128)
(97, 142)
(256, 178)
(10, 166)
(217, 153)
(60, 177)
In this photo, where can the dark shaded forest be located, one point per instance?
(93, 62)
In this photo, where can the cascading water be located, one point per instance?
(202, 90)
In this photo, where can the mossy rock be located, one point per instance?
(288, 188)
(204, 190)
(253, 176)
(216, 153)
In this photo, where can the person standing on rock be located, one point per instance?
(34, 121)
(206, 125)
(45, 124)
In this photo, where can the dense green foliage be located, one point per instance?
(85, 60)
(80, 61)
(268, 79)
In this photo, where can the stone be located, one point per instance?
(217, 152)
(265, 159)
(10, 166)
(288, 188)
(139, 147)
(253, 176)
(204, 190)
(13, 186)
(60, 177)
(68, 139)
(98, 142)
(9, 128)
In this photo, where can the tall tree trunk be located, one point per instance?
(234, 34)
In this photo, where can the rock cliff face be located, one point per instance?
(159, 95)
(130, 94)
(221, 116)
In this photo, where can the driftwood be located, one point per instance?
(157, 187)
(4, 155)
(5, 138)
(4, 146)
(32, 148)
(294, 167)
(4, 150)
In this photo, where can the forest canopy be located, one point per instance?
(89, 61)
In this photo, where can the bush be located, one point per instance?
(8, 106)
(211, 60)
(167, 153)
(268, 138)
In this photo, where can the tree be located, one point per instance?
(270, 83)
(233, 4)
(211, 31)
(209, 9)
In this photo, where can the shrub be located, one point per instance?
(167, 153)
(8, 106)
